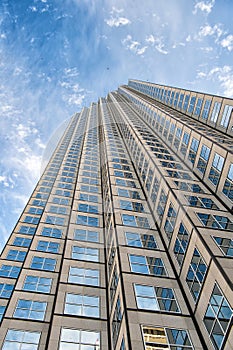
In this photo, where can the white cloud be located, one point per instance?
(73, 94)
(117, 21)
(4, 233)
(39, 143)
(32, 163)
(45, 9)
(215, 33)
(22, 149)
(204, 6)
(134, 46)
(207, 30)
(2, 178)
(201, 75)
(103, 37)
(151, 39)
(64, 84)
(71, 72)
(224, 76)
(177, 45)
(160, 47)
(114, 9)
(76, 88)
(29, 165)
(157, 42)
(20, 197)
(76, 99)
(6, 109)
(17, 70)
(206, 49)
(33, 8)
(228, 42)
(7, 181)
(142, 50)
(23, 158)
(24, 131)
(156, 16)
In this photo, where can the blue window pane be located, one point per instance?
(22, 242)
(2, 310)
(9, 271)
(133, 239)
(6, 290)
(27, 230)
(23, 340)
(16, 255)
(43, 263)
(50, 247)
(129, 220)
(51, 232)
(29, 309)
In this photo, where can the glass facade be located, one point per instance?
(126, 241)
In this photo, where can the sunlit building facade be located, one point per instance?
(127, 240)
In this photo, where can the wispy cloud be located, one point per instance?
(4, 181)
(223, 75)
(177, 45)
(76, 99)
(71, 72)
(72, 93)
(207, 30)
(116, 19)
(228, 42)
(116, 10)
(24, 131)
(33, 8)
(157, 42)
(207, 49)
(25, 137)
(133, 45)
(204, 6)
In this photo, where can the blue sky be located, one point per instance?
(57, 56)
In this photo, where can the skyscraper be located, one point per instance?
(127, 239)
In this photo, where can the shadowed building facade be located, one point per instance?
(127, 240)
